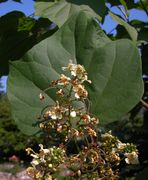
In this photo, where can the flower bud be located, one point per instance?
(41, 96)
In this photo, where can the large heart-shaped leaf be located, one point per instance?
(60, 11)
(113, 66)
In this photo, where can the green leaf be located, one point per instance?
(60, 11)
(130, 4)
(142, 28)
(98, 6)
(142, 5)
(131, 30)
(125, 5)
(113, 66)
(26, 24)
(18, 34)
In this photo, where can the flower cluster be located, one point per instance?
(78, 77)
(115, 149)
(68, 121)
(46, 159)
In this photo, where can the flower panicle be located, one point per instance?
(68, 120)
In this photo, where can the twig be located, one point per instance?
(144, 103)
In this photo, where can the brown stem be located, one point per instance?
(144, 103)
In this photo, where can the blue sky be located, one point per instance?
(27, 6)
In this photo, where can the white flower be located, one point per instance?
(86, 118)
(34, 155)
(73, 114)
(50, 165)
(71, 67)
(131, 158)
(54, 116)
(46, 151)
(41, 96)
(59, 128)
(91, 132)
(35, 162)
(80, 91)
(60, 92)
(121, 145)
(56, 112)
(77, 70)
(63, 80)
(107, 135)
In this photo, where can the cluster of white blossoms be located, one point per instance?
(78, 71)
(70, 89)
(64, 121)
(50, 159)
(78, 76)
(55, 112)
(116, 147)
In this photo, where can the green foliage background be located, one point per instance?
(12, 141)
